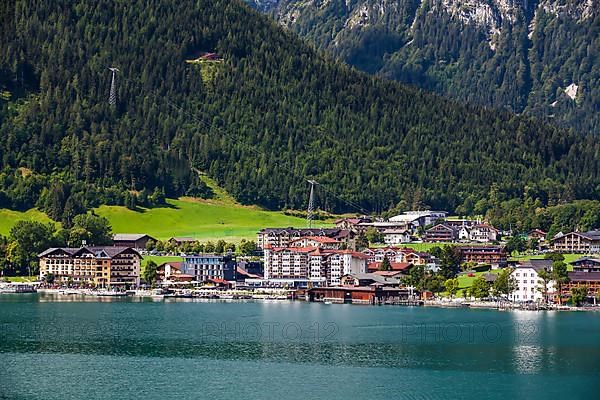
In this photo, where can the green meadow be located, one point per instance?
(201, 219)
(9, 217)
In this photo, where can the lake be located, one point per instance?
(67, 347)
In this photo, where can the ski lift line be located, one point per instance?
(235, 139)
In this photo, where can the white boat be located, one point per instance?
(109, 293)
(327, 302)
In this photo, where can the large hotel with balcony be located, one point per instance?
(92, 266)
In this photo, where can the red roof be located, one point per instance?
(396, 266)
(386, 273)
(320, 239)
(219, 280)
(242, 271)
(355, 254)
(307, 249)
(174, 264)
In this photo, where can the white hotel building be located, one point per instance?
(529, 284)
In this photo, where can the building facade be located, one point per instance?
(494, 255)
(92, 266)
(483, 233)
(419, 218)
(529, 285)
(281, 237)
(440, 233)
(396, 236)
(586, 264)
(134, 240)
(207, 267)
(577, 242)
(323, 242)
(589, 280)
(314, 265)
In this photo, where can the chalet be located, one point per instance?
(577, 242)
(136, 241)
(590, 280)
(418, 258)
(493, 255)
(352, 223)
(484, 233)
(586, 264)
(402, 267)
(390, 274)
(377, 254)
(537, 234)
(369, 279)
(440, 233)
(178, 241)
(170, 273)
(398, 255)
(210, 57)
(396, 236)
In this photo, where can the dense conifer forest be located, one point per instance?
(264, 116)
(510, 54)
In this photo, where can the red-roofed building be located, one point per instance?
(318, 265)
(403, 267)
(170, 273)
(537, 234)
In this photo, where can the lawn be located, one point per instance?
(19, 278)
(9, 217)
(159, 259)
(465, 281)
(569, 257)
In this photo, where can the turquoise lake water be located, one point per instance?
(68, 348)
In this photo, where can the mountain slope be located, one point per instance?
(268, 113)
(536, 56)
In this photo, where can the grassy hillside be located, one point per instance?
(202, 219)
(9, 217)
(205, 220)
(218, 218)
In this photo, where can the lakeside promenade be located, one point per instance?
(279, 295)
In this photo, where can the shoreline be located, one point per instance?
(281, 296)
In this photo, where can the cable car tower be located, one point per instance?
(112, 99)
(310, 215)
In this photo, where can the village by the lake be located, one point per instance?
(415, 258)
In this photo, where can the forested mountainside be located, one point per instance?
(260, 116)
(540, 57)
